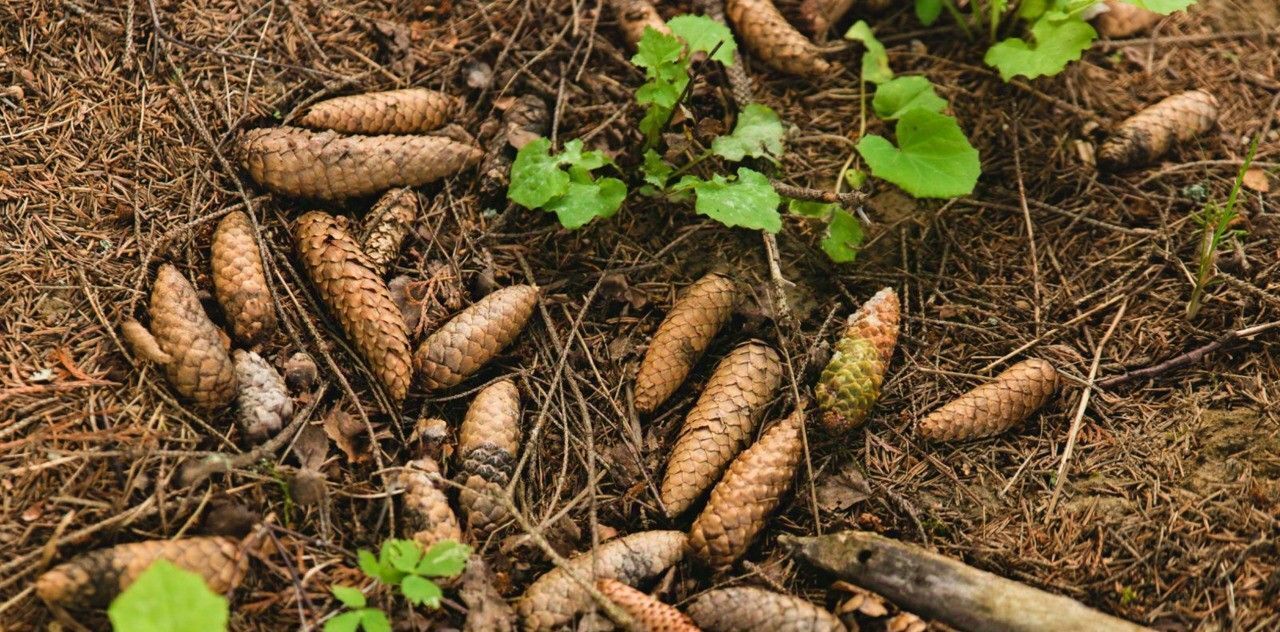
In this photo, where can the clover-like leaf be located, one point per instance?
(445, 558)
(1059, 40)
(345, 622)
(374, 620)
(403, 555)
(895, 97)
(350, 597)
(758, 134)
(421, 591)
(844, 237)
(704, 34)
(748, 201)
(875, 61)
(927, 11)
(166, 598)
(933, 158)
(536, 176)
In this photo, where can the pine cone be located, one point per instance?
(487, 444)
(682, 337)
(428, 515)
(408, 111)
(745, 608)
(649, 613)
(357, 297)
(634, 16)
(1149, 134)
(995, 406)
(263, 404)
(199, 367)
(769, 36)
(240, 280)
(850, 384)
(720, 423)
(386, 226)
(472, 338)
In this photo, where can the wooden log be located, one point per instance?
(938, 587)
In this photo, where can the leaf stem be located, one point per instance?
(956, 15)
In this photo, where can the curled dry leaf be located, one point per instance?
(199, 368)
(649, 613)
(311, 447)
(487, 443)
(1149, 134)
(386, 226)
(300, 372)
(308, 488)
(263, 404)
(240, 280)
(861, 601)
(850, 385)
(330, 166)
(1257, 180)
(427, 513)
(340, 271)
(342, 429)
(751, 489)
(526, 119)
(555, 599)
(906, 622)
(1122, 19)
(745, 608)
(634, 16)
(407, 111)
(487, 611)
(92, 580)
(472, 338)
(995, 406)
(683, 336)
(720, 423)
(769, 36)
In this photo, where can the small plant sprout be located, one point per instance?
(1216, 220)
(404, 565)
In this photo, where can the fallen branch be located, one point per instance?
(848, 198)
(938, 587)
(1190, 357)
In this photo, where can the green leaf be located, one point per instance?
(933, 158)
(664, 91)
(855, 178)
(844, 236)
(166, 598)
(651, 125)
(927, 11)
(1059, 40)
(374, 620)
(749, 201)
(1163, 7)
(573, 156)
(586, 201)
(704, 34)
(893, 98)
(809, 208)
(656, 170)
(875, 61)
(447, 558)
(1030, 10)
(656, 48)
(350, 597)
(345, 622)
(421, 591)
(758, 134)
(402, 554)
(536, 176)
(369, 564)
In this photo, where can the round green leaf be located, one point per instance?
(749, 201)
(1059, 40)
(536, 176)
(704, 34)
(844, 236)
(758, 134)
(893, 98)
(166, 598)
(933, 158)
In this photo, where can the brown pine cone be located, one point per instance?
(683, 336)
(94, 579)
(357, 297)
(751, 489)
(240, 281)
(555, 599)
(769, 36)
(330, 166)
(386, 226)
(720, 423)
(1122, 19)
(634, 16)
(407, 111)
(745, 608)
(263, 404)
(472, 338)
(526, 119)
(487, 444)
(428, 517)
(649, 613)
(1149, 134)
(199, 367)
(995, 406)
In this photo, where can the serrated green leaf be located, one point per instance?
(421, 591)
(875, 61)
(447, 558)
(1059, 40)
(662, 93)
(704, 34)
(758, 134)
(345, 622)
(369, 564)
(893, 98)
(536, 176)
(933, 158)
(656, 48)
(927, 11)
(651, 125)
(403, 555)
(374, 620)
(573, 156)
(350, 597)
(844, 237)
(1163, 7)
(809, 208)
(748, 201)
(656, 170)
(166, 598)
(586, 201)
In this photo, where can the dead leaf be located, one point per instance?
(228, 516)
(308, 487)
(311, 447)
(1257, 180)
(342, 428)
(841, 491)
(396, 42)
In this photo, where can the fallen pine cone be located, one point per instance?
(92, 580)
(487, 611)
(850, 385)
(340, 271)
(747, 609)
(720, 422)
(1122, 19)
(428, 515)
(751, 489)
(683, 336)
(386, 226)
(526, 119)
(818, 16)
(555, 599)
(995, 406)
(263, 404)
(330, 166)
(300, 372)
(472, 338)
(487, 444)
(634, 16)
(650, 614)
(770, 37)
(407, 111)
(240, 281)
(1149, 134)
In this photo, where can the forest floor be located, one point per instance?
(117, 155)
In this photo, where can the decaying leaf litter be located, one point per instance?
(971, 293)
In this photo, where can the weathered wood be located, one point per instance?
(938, 587)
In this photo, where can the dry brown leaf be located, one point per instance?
(1257, 180)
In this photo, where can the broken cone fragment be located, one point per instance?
(240, 281)
(487, 444)
(649, 613)
(995, 406)
(634, 16)
(263, 404)
(428, 516)
(408, 111)
(92, 580)
(1149, 134)
(770, 37)
(850, 384)
(746, 608)
(386, 226)
(683, 336)
(472, 338)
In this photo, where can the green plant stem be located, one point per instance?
(692, 163)
(956, 15)
(1217, 221)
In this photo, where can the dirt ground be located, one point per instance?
(116, 153)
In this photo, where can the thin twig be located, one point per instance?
(1184, 359)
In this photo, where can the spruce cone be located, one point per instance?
(240, 280)
(263, 404)
(427, 512)
(357, 297)
(682, 337)
(329, 166)
(750, 490)
(850, 385)
(386, 226)
(744, 609)
(995, 406)
(1149, 134)
(769, 36)
(720, 423)
(408, 111)
(649, 613)
(472, 338)
(634, 16)
(487, 444)
(92, 580)
(199, 367)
